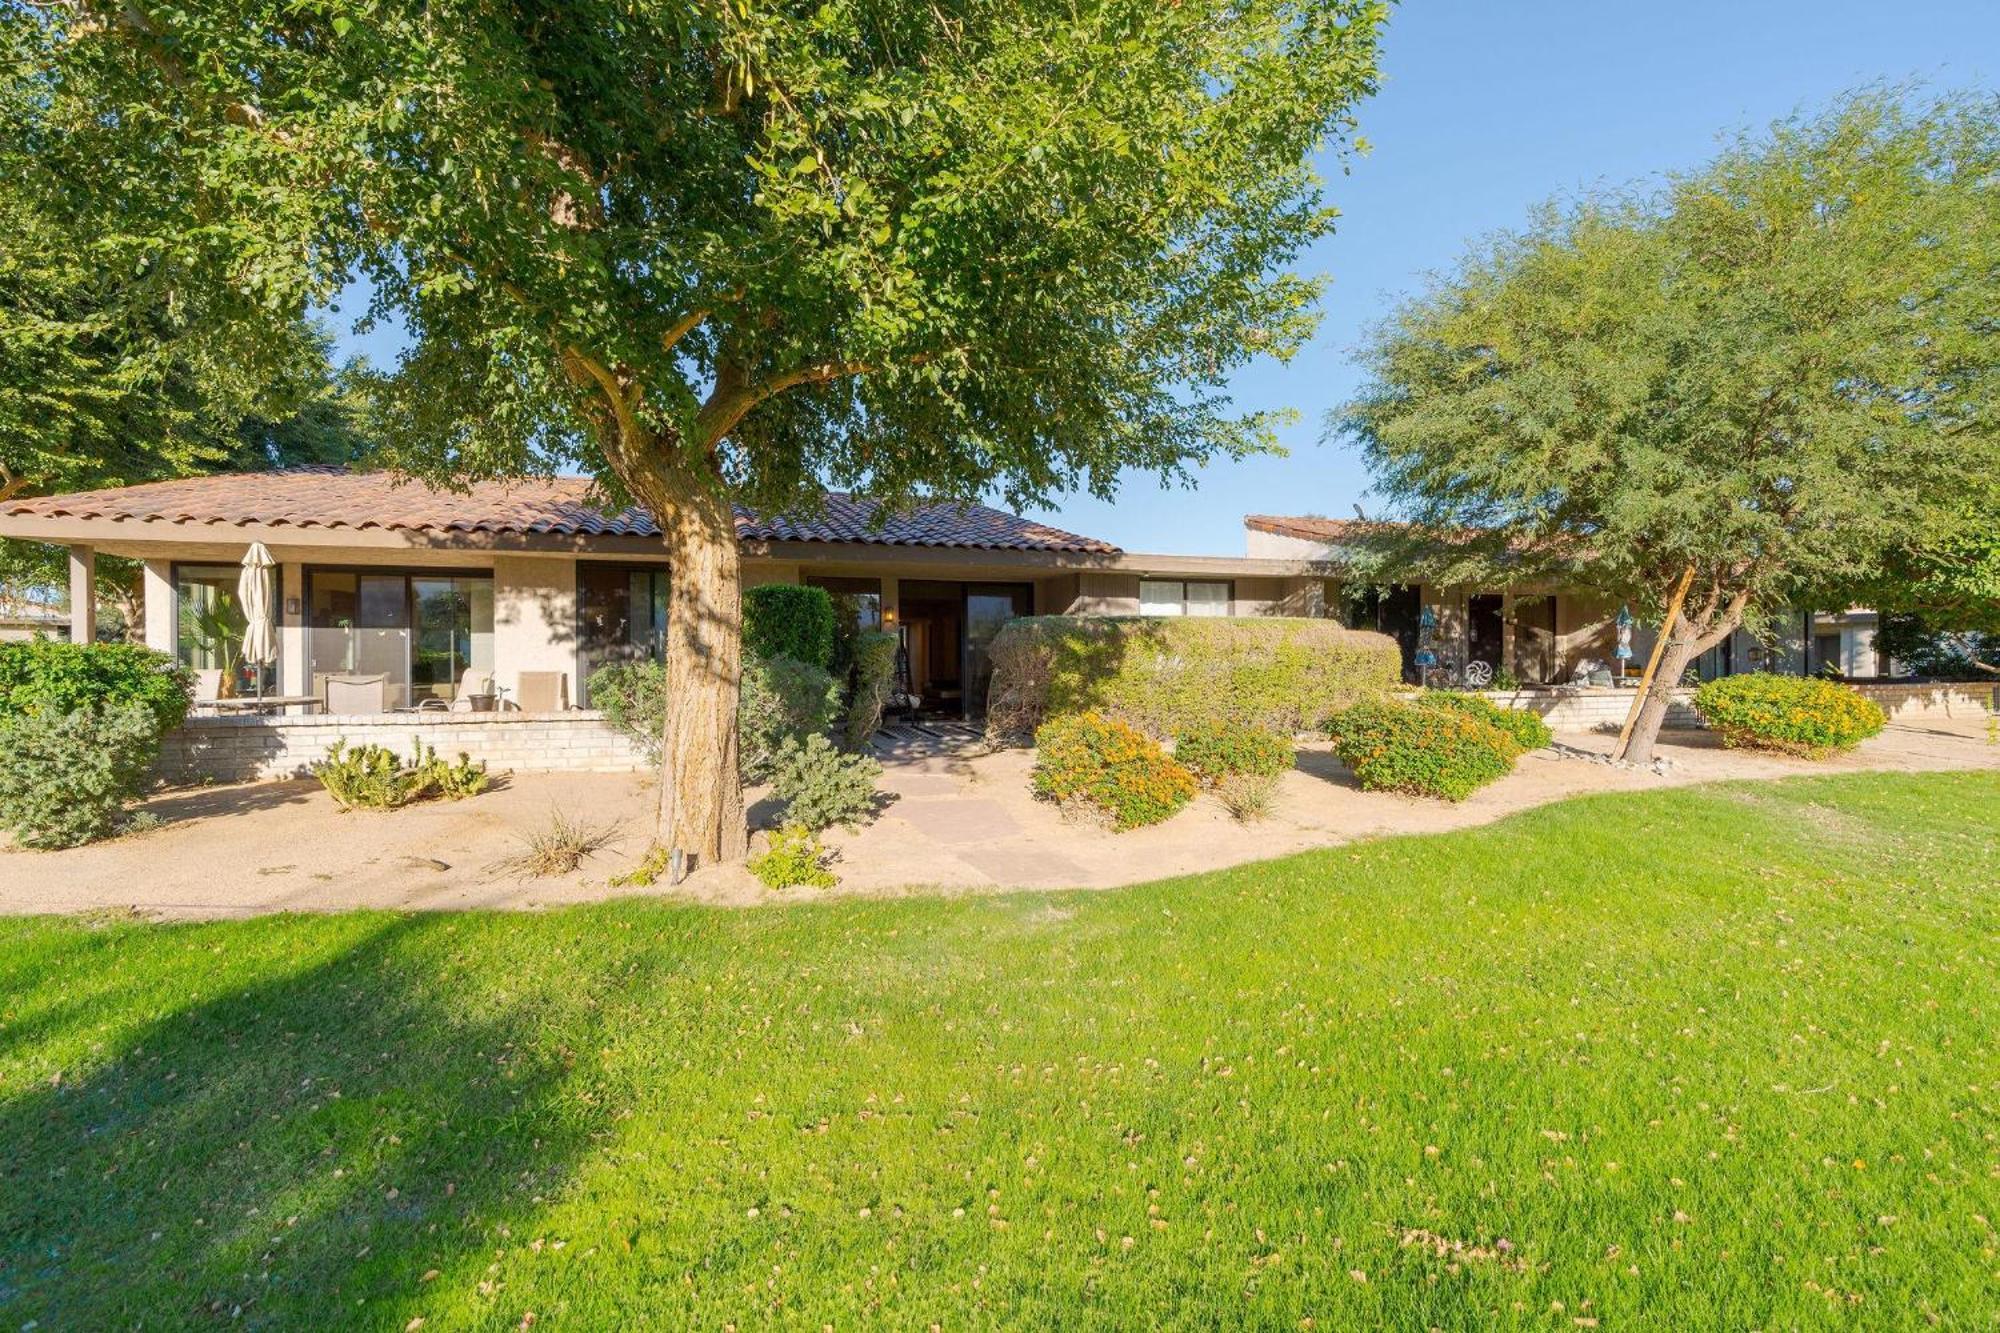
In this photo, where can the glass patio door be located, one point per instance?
(988, 606)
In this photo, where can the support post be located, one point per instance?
(157, 583)
(83, 594)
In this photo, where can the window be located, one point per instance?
(1183, 597)
(209, 625)
(621, 613)
(422, 632)
(859, 600)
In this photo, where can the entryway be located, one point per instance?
(947, 630)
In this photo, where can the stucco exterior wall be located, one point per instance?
(534, 619)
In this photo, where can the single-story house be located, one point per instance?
(379, 575)
(1544, 635)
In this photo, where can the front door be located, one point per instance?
(1482, 629)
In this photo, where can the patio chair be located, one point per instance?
(475, 693)
(543, 692)
(357, 694)
(207, 689)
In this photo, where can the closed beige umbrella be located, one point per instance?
(256, 591)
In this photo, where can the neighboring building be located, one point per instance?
(379, 576)
(24, 620)
(1544, 634)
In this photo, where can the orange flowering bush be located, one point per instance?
(1800, 715)
(1113, 768)
(1441, 752)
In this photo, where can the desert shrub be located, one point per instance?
(1423, 751)
(1114, 768)
(1248, 797)
(49, 676)
(1791, 714)
(633, 698)
(561, 848)
(374, 777)
(822, 785)
(794, 859)
(1165, 676)
(789, 620)
(1213, 751)
(1527, 729)
(780, 698)
(64, 776)
(874, 673)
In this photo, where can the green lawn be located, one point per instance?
(1712, 1057)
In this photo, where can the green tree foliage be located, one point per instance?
(1773, 371)
(736, 252)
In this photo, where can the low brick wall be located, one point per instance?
(1591, 708)
(238, 749)
(1935, 700)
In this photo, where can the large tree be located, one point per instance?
(1769, 372)
(722, 252)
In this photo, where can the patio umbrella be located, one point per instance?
(255, 592)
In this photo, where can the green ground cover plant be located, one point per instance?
(1716, 1056)
(1799, 715)
(1218, 750)
(793, 860)
(1085, 761)
(1424, 751)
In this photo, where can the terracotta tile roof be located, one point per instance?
(1314, 529)
(322, 497)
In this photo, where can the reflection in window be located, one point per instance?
(209, 625)
(621, 613)
(420, 633)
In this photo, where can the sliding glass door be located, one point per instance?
(420, 632)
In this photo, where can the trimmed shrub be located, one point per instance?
(789, 620)
(780, 698)
(1103, 763)
(1790, 714)
(794, 859)
(1423, 751)
(874, 673)
(1165, 676)
(822, 786)
(1217, 750)
(64, 776)
(49, 676)
(1527, 729)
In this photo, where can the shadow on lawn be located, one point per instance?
(300, 1151)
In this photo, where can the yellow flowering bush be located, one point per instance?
(1442, 752)
(1802, 715)
(1119, 771)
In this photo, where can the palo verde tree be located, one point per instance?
(1768, 373)
(727, 252)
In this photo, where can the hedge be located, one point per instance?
(51, 676)
(1166, 676)
(789, 620)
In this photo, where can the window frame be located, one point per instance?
(1228, 587)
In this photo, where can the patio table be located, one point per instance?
(309, 702)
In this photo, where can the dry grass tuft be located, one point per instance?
(559, 849)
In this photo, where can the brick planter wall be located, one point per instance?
(1938, 699)
(238, 749)
(1589, 708)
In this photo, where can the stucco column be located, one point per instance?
(156, 581)
(293, 664)
(534, 621)
(83, 594)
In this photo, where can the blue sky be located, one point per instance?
(1487, 107)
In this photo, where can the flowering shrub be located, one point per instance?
(1441, 752)
(1527, 729)
(1791, 714)
(1122, 773)
(1216, 750)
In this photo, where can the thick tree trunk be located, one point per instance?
(1674, 658)
(701, 785)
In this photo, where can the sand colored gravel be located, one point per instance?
(958, 822)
